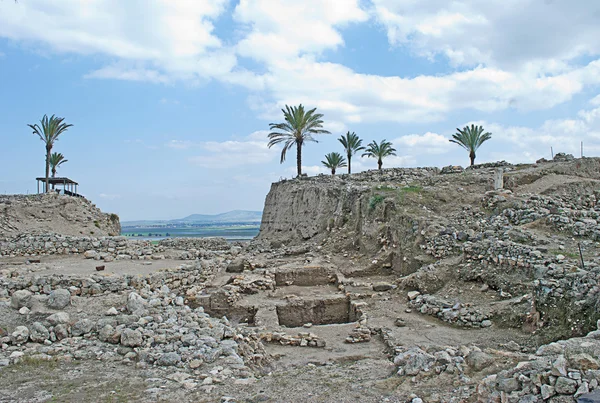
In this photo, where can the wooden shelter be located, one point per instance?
(69, 186)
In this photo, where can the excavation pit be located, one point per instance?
(217, 306)
(323, 311)
(305, 277)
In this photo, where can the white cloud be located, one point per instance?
(428, 143)
(180, 144)
(161, 38)
(252, 150)
(280, 29)
(504, 33)
(530, 144)
(177, 41)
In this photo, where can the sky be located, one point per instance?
(171, 101)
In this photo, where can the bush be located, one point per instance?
(375, 200)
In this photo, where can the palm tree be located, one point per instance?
(379, 151)
(56, 160)
(471, 138)
(49, 131)
(334, 161)
(352, 144)
(298, 128)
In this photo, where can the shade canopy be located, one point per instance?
(58, 181)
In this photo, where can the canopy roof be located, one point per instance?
(58, 181)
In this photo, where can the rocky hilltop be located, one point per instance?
(54, 213)
(407, 285)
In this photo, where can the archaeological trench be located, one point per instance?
(406, 285)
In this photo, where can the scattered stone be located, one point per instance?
(20, 299)
(169, 359)
(131, 338)
(59, 299)
(20, 335)
(38, 333)
(135, 302)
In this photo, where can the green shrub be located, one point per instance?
(375, 200)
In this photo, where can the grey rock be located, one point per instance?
(508, 385)
(169, 359)
(478, 360)
(58, 318)
(131, 338)
(61, 331)
(565, 386)
(109, 334)
(38, 333)
(135, 302)
(236, 266)
(20, 299)
(59, 299)
(20, 335)
(414, 361)
(81, 327)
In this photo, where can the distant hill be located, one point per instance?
(229, 217)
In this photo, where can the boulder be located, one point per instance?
(135, 302)
(20, 299)
(90, 254)
(81, 327)
(20, 335)
(131, 338)
(478, 360)
(169, 359)
(58, 318)
(61, 331)
(236, 266)
(38, 333)
(59, 299)
(413, 361)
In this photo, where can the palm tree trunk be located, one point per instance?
(333, 171)
(349, 164)
(53, 175)
(379, 163)
(472, 156)
(299, 158)
(48, 150)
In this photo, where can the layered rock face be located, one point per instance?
(54, 213)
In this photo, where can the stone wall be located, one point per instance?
(108, 248)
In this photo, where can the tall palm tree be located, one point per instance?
(298, 128)
(352, 144)
(379, 151)
(334, 161)
(48, 132)
(56, 160)
(471, 138)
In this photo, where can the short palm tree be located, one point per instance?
(56, 160)
(379, 151)
(352, 144)
(48, 132)
(334, 161)
(471, 138)
(298, 128)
